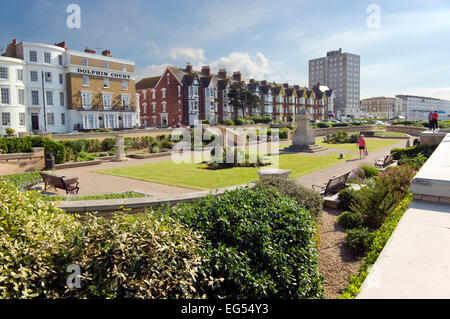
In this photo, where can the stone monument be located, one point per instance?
(120, 149)
(304, 139)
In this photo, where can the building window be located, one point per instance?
(6, 119)
(124, 68)
(50, 119)
(47, 57)
(61, 98)
(90, 121)
(153, 94)
(105, 65)
(125, 100)
(107, 101)
(60, 59)
(63, 118)
(21, 97)
(144, 94)
(35, 97)
(168, 78)
(109, 120)
(61, 78)
(84, 62)
(179, 106)
(34, 76)
(179, 90)
(48, 77)
(49, 96)
(144, 108)
(128, 121)
(33, 56)
(4, 73)
(153, 107)
(164, 107)
(21, 119)
(19, 75)
(5, 96)
(163, 93)
(86, 100)
(124, 85)
(106, 83)
(85, 81)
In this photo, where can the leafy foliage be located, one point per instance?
(359, 239)
(259, 243)
(340, 137)
(346, 197)
(369, 171)
(349, 220)
(305, 197)
(379, 240)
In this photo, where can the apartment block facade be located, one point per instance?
(188, 96)
(417, 107)
(53, 89)
(382, 107)
(341, 73)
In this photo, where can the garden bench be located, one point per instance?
(334, 185)
(385, 162)
(69, 184)
(368, 133)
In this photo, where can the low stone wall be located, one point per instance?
(410, 130)
(352, 128)
(22, 162)
(77, 164)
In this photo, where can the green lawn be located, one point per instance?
(195, 177)
(373, 144)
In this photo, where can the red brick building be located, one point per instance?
(187, 96)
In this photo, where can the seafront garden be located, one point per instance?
(259, 241)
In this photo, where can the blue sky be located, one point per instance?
(270, 40)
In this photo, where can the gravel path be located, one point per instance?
(336, 262)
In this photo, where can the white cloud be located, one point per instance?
(256, 67)
(193, 55)
(150, 71)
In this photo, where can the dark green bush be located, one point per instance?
(260, 242)
(305, 197)
(359, 239)
(108, 144)
(346, 197)
(323, 125)
(22, 180)
(283, 134)
(206, 122)
(415, 162)
(411, 152)
(349, 220)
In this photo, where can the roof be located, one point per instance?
(147, 83)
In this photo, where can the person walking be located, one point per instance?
(435, 118)
(361, 143)
(430, 120)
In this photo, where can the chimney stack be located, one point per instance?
(264, 82)
(106, 53)
(223, 73)
(61, 44)
(87, 50)
(14, 42)
(286, 85)
(206, 70)
(189, 67)
(237, 76)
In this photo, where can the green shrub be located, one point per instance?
(346, 197)
(283, 134)
(415, 162)
(84, 157)
(305, 197)
(259, 242)
(339, 124)
(359, 239)
(108, 144)
(369, 171)
(9, 131)
(323, 125)
(349, 220)
(379, 240)
(139, 256)
(390, 187)
(22, 180)
(411, 152)
(206, 122)
(239, 121)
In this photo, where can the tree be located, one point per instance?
(9, 131)
(241, 98)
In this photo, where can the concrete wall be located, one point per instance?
(410, 130)
(22, 162)
(331, 130)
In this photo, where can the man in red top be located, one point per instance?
(434, 120)
(361, 143)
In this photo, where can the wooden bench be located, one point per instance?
(334, 185)
(69, 184)
(385, 162)
(368, 133)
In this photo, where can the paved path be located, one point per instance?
(321, 177)
(92, 183)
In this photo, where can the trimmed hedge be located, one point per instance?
(259, 243)
(413, 151)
